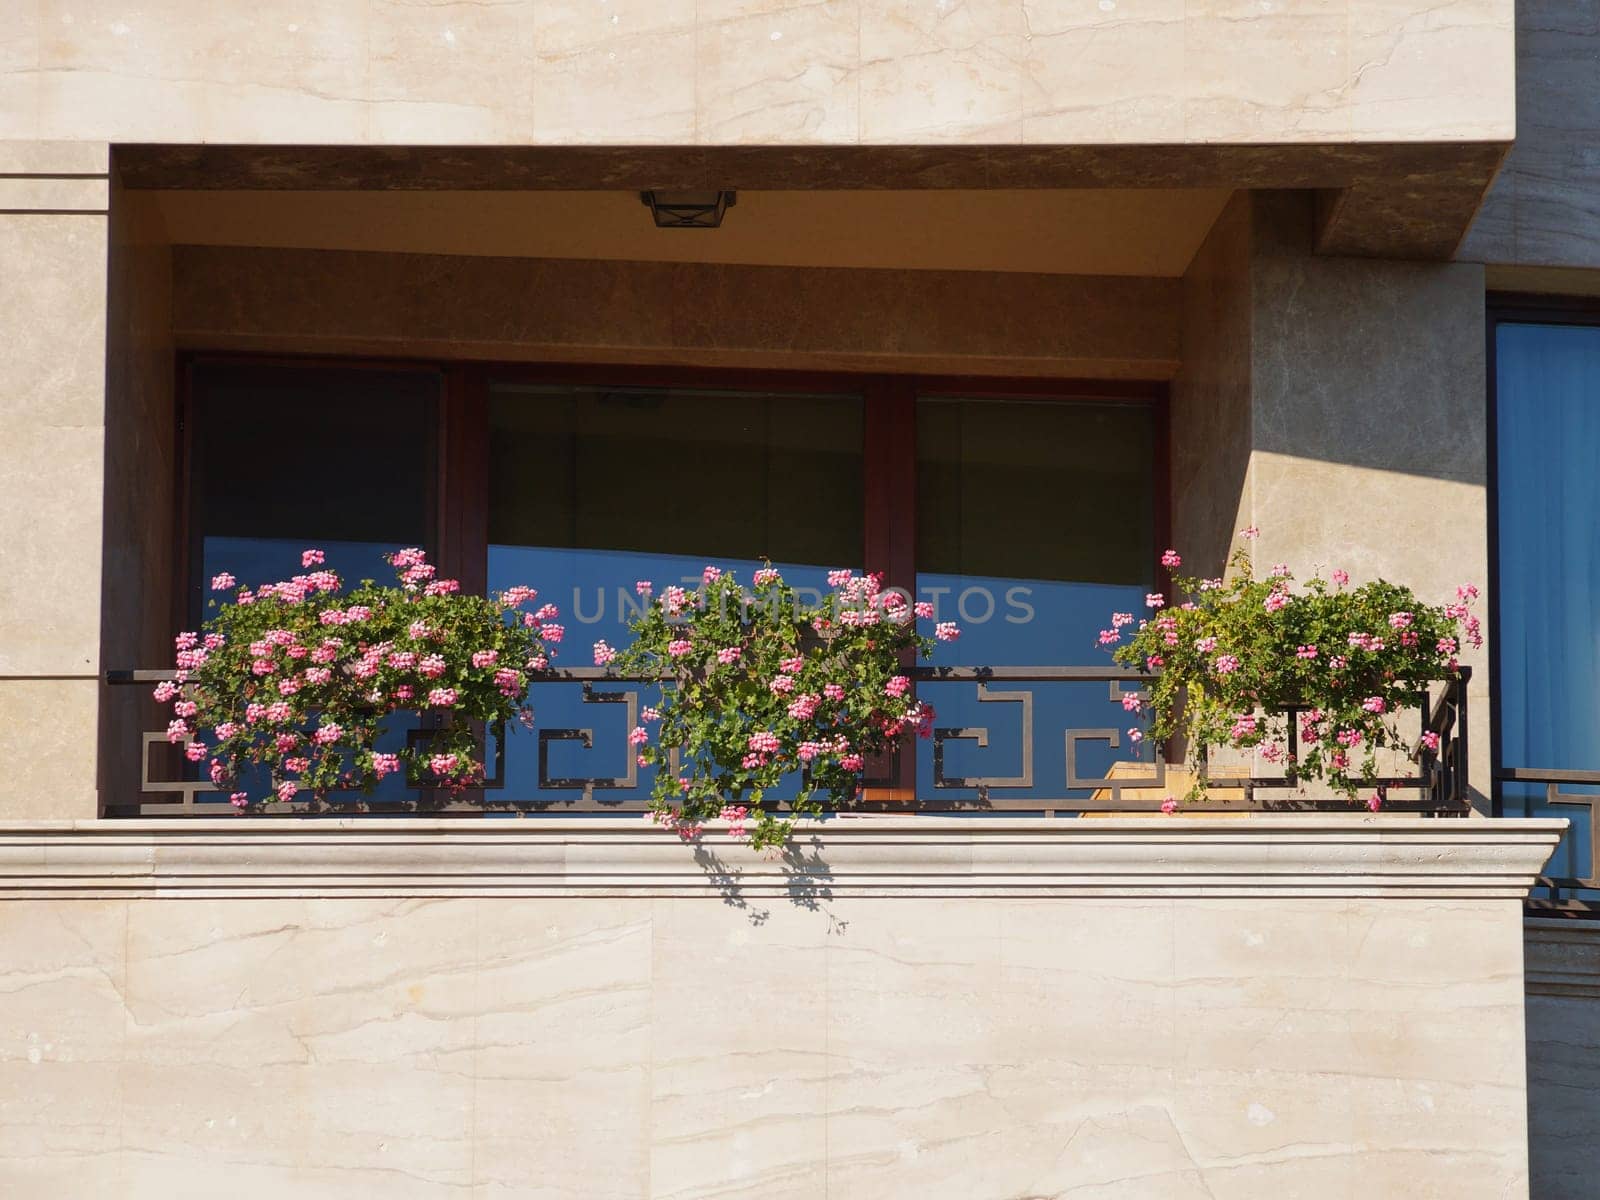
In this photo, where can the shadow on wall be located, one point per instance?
(808, 879)
(1370, 363)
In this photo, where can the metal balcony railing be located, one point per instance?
(1568, 895)
(1048, 758)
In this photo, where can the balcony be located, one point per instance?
(1053, 769)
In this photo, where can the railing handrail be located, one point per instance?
(1440, 782)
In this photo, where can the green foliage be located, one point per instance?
(1236, 653)
(304, 680)
(762, 684)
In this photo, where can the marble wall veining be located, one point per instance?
(644, 1048)
(754, 72)
(650, 1039)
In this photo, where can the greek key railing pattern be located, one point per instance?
(1050, 769)
(1571, 895)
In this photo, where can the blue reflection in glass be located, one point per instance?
(594, 590)
(1026, 622)
(1548, 651)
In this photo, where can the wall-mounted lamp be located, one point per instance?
(688, 210)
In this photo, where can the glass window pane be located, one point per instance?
(287, 457)
(1548, 649)
(284, 458)
(592, 488)
(1035, 521)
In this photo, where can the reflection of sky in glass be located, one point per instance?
(1024, 622)
(1548, 438)
(595, 591)
(1050, 623)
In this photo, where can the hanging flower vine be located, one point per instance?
(763, 685)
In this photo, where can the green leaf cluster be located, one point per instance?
(1236, 659)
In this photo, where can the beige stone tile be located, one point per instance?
(917, 1053)
(562, 1047)
(1263, 985)
(634, 88)
(1084, 1005)
(54, 158)
(61, 1034)
(48, 731)
(1425, 982)
(1414, 68)
(301, 1043)
(278, 73)
(942, 72)
(739, 1039)
(1104, 71)
(1266, 70)
(449, 71)
(780, 74)
(19, 72)
(1316, 1039)
(566, 26)
(183, 70)
(50, 593)
(52, 320)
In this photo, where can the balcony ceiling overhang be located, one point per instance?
(1393, 200)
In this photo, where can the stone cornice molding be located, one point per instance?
(1310, 856)
(1562, 957)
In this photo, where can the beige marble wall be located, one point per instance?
(1544, 209)
(845, 1038)
(683, 1048)
(758, 72)
(53, 246)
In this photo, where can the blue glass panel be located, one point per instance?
(1548, 653)
(1035, 521)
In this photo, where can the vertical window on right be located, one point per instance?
(1546, 416)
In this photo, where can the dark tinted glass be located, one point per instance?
(288, 457)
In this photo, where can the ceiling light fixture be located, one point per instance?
(688, 210)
